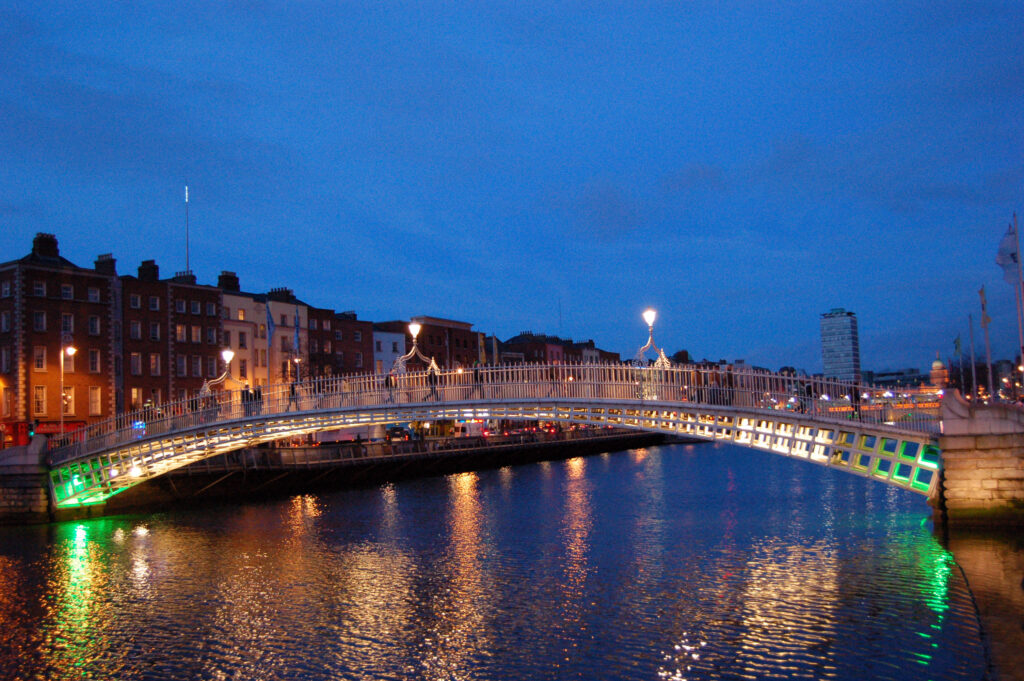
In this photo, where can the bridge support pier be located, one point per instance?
(983, 464)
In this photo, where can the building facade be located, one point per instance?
(840, 345)
(387, 347)
(49, 305)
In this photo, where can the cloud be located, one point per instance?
(606, 210)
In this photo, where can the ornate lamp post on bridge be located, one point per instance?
(399, 365)
(639, 360)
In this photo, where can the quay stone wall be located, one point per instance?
(24, 496)
(983, 463)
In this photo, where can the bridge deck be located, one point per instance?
(860, 430)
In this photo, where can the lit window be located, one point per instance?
(95, 400)
(39, 400)
(154, 364)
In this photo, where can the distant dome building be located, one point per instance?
(939, 373)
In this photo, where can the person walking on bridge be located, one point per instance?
(432, 381)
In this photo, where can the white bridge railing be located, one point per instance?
(827, 400)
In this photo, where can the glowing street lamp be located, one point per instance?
(399, 365)
(70, 351)
(227, 354)
(661, 362)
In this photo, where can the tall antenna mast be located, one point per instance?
(187, 268)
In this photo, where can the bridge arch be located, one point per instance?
(859, 430)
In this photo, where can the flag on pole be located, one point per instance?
(1007, 256)
(985, 319)
(956, 345)
(270, 325)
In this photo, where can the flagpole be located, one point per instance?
(186, 233)
(1020, 301)
(988, 348)
(974, 371)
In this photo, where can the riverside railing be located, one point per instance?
(722, 386)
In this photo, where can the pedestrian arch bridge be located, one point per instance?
(886, 437)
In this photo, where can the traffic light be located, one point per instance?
(32, 429)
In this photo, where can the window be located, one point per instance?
(134, 301)
(135, 329)
(394, 346)
(39, 320)
(5, 288)
(94, 361)
(179, 306)
(94, 294)
(243, 369)
(263, 331)
(241, 315)
(67, 292)
(195, 307)
(67, 322)
(327, 346)
(39, 400)
(211, 335)
(227, 338)
(69, 362)
(312, 324)
(39, 358)
(5, 360)
(337, 335)
(154, 331)
(8, 400)
(135, 361)
(211, 366)
(376, 346)
(180, 334)
(197, 365)
(197, 334)
(327, 325)
(243, 339)
(154, 303)
(154, 364)
(5, 321)
(359, 359)
(357, 336)
(284, 320)
(180, 365)
(211, 309)
(95, 400)
(227, 312)
(94, 325)
(69, 400)
(136, 398)
(39, 288)
(285, 344)
(313, 345)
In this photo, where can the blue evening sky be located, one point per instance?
(740, 166)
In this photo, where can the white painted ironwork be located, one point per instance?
(886, 437)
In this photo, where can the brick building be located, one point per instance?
(48, 304)
(450, 343)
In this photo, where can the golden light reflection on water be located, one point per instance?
(458, 633)
(577, 523)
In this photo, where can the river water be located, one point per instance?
(673, 562)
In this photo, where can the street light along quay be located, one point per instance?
(69, 350)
